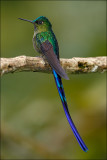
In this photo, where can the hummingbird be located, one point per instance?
(45, 42)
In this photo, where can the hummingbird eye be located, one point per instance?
(39, 22)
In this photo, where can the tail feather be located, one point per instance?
(65, 106)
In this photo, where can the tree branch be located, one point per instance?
(37, 64)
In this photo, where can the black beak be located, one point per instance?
(25, 20)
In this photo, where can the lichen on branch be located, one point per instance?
(37, 64)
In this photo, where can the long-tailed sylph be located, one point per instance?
(44, 42)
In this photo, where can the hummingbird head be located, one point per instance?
(41, 24)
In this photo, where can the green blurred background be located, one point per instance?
(33, 123)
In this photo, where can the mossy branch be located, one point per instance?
(37, 64)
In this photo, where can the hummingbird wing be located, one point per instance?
(65, 107)
(47, 50)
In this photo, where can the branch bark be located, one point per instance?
(37, 64)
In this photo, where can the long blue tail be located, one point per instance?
(64, 103)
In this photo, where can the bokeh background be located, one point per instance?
(33, 123)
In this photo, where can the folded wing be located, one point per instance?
(48, 51)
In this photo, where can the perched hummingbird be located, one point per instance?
(44, 42)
